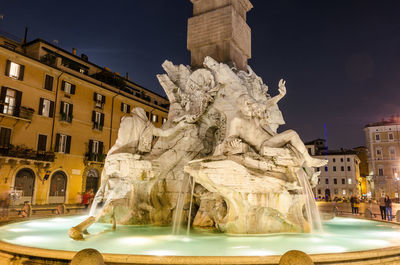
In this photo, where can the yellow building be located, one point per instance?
(59, 115)
(383, 140)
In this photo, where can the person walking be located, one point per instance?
(352, 201)
(388, 205)
(382, 207)
(356, 205)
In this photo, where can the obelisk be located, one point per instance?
(218, 29)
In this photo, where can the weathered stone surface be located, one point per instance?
(295, 257)
(88, 256)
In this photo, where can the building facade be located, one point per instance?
(383, 143)
(59, 115)
(340, 178)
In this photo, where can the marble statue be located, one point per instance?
(222, 134)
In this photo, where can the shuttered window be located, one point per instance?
(46, 107)
(48, 82)
(68, 87)
(63, 143)
(5, 137)
(15, 70)
(42, 142)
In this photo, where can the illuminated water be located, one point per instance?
(340, 235)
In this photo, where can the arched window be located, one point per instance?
(92, 180)
(25, 182)
(58, 186)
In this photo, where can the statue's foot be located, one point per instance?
(315, 162)
(85, 232)
(75, 233)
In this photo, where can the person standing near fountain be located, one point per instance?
(382, 207)
(388, 205)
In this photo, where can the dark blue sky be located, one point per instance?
(341, 58)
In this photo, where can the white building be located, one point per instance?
(340, 178)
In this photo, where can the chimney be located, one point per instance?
(25, 36)
(74, 51)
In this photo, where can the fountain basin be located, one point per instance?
(358, 241)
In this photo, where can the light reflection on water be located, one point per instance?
(340, 235)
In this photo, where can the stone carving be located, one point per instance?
(222, 132)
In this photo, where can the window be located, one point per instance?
(99, 99)
(343, 181)
(164, 120)
(326, 181)
(154, 118)
(10, 101)
(42, 142)
(68, 87)
(125, 108)
(326, 169)
(334, 160)
(5, 137)
(334, 168)
(392, 153)
(98, 120)
(318, 169)
(348, 159)
(341, 159)
(344, 192)
(66, 111)
(46, 107)
(309, 150)
(48, 82)
(349, 181)
(378, 151)
(391, 136)
(148, 114)
(95, 151)
(380, 171)
(342, 168)
(377, 137)
(14, 70)
(63, 143)
(348, 168)
(334, 181)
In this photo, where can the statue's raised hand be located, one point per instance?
(282, 87)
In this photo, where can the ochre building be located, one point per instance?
(59, 115)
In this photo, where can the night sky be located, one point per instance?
(341, 58)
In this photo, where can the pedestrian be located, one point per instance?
(352, 201)
(356, 205)
(85, 199)
(382, 207)
(26, 210)
(388, 205)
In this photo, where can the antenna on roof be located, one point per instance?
(25, 36)
(55, 42)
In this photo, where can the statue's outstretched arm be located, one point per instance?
(282, 93)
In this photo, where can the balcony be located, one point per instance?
(97, 126)
(24, 152)
(20, 113)
(93, 157)
(66, 117)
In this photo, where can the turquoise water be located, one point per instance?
(340, 235)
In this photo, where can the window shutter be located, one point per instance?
(63, 85)
(90, 146)
(68, 146)
(42, 142)
(73, 89)
(95, 96)
(100, 148)
(21, 72)
(102, 119)
(2, 98)
(51, 114)
(93, 116)
(62, 107)
(17, 102)
(103, 99)
(40, 111)
(8, 67)
(129, 109)
(57, 142)
(49, 82)
(71, 107)
(122, 106)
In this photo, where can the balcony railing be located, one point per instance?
(18, 112)
(26, 153)
(93, 157)
(65, 117)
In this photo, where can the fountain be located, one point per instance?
(217, 165)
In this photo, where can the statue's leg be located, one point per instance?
(114, 221)
(293, 138)
(76, 232)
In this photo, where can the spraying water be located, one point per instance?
(312, 212)
(176, 225)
